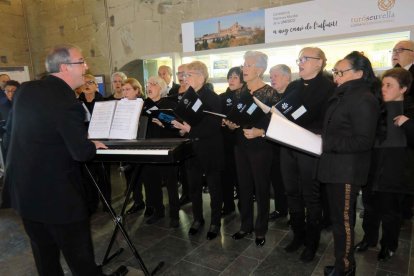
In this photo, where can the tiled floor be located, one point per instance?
(184, 255)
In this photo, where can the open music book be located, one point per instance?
(115, 119)
(283, 131)
(292, 135)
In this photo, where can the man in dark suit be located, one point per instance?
(165, 72)
(403, 56)
(48, 142)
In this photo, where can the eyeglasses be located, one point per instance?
(340, 73)
(90, 82)
(247, 66)
(76, 62)
(152, 84)
(189, 75)
(305, 59)
(400, 50)
(180, 74)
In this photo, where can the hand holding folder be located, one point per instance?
(285, 132)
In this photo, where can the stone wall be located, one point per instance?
(14, 48)
(111, 33)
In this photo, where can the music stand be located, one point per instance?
(118, 224)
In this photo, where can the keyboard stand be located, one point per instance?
(119, 225)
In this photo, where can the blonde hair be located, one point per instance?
(135, 84)
(200, 67)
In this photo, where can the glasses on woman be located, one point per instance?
(191, 74)
(304, 59)
(90, 82)
(340, 73)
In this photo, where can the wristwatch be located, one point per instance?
(264, 133)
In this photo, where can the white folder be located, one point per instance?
(290, 134)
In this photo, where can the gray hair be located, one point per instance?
(283, 69)
(161, 82)
(259, 57)
(169, 70)
(58, 55)
(119, 74)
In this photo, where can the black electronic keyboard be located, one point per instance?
(167, 150)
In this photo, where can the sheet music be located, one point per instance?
(126, 118)
(101, 119)
(288, 133)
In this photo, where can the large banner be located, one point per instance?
(331, 17)
(310, 19)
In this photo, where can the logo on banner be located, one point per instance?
(386, 5)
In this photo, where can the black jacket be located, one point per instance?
(314, 94)
(48, 142)
(348, 135)
(206, 135)
(392, 158)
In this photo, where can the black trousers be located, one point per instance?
(342, 199)
(153, 177)
(101, 174)
(385, 208)
(253, 170)
(137, 185)
(73, 239)
(229, 179)
(303, 192)
(183, 179)
(277, 182)
(195, 173)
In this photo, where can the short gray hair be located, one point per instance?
(161, 82)
(119, 74)
(259, 57)
(283, 69)
(58, 55)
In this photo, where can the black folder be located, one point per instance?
(292, 107)
(190, 108)
(245, 112)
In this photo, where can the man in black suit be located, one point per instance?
(165, 72)
(403, 56)
(48, 142)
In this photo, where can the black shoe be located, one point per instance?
(276, 214)
(331, 271)
(308, 254)
(385, 254)
(363, 246)
(240, 235)
(121, 271)
(213, 232)
(149, 211)
(154, 218)
(197, 224)
(294, 245)
(135, 208)
(174, 223)
(184, 200)
(260, 241)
